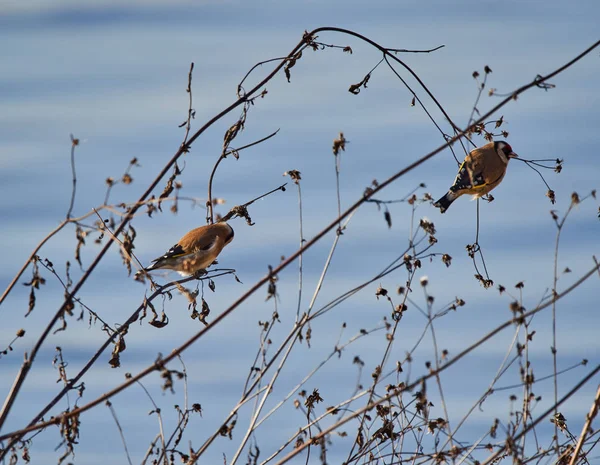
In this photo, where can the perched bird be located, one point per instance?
(196, 250)
(481, 171)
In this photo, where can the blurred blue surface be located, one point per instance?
(115, 77)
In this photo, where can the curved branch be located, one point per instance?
(22, 375)
(26, 366)
(176, 352)
(209, 201)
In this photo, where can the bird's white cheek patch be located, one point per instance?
(502, 156)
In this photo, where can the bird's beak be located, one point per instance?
(513, 155)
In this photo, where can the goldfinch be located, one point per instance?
(196, 250)
(481, 171)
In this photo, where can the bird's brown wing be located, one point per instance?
(188, 244)
(202, 238)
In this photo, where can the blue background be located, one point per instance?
(115, 76)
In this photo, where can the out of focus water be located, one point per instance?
(115, 77)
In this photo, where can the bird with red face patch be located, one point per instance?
(481, 171)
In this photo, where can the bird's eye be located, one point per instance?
(507, 149)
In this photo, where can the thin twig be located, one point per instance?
(396, 392)
(404, 50)
(188, 122)
(23, 372)
(209, 202)
(74, 143)
(114, 415)
(586, 427)
(160, 424)
(301, 257)
(59, 228)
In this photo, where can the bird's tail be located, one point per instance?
(445, 201)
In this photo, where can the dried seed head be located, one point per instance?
(575, 198)
(294, 175)
(446, 259)
(381, 292)
(339, 144)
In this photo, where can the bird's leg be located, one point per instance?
(199, 274)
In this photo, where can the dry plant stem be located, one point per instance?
(377, 379)
(180, 427)
(293, 334)
(263, 400)
(247, 398)
(233, 106)
(412, 246)
(185, 416)
(586, 427)
(480, 91)
(467, 454)
(150, 449)
(536, 170)
(559, 226)
(526, 389)
(488, 391)
(130, 256)
(300, 258)
(105, 326)
(315, 421)
(387, 270)
(261, 349)
(494, 457)
(25, 368)
(418, 99)
(487, 275)
(327, 263)
(541, 378)
(438, 380)
(233, 212)
(337, 162)
(56, 230)
(114, 415)
(337, 350)
(271, 60)
(258, 402)
(73, 381)
(29, 260)
(209, 202)
(159, 416)
(188, 123)
(185, 383)
(21, 376)
(74, 176)
(404, 50)
(394, 393)
(400, 62)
